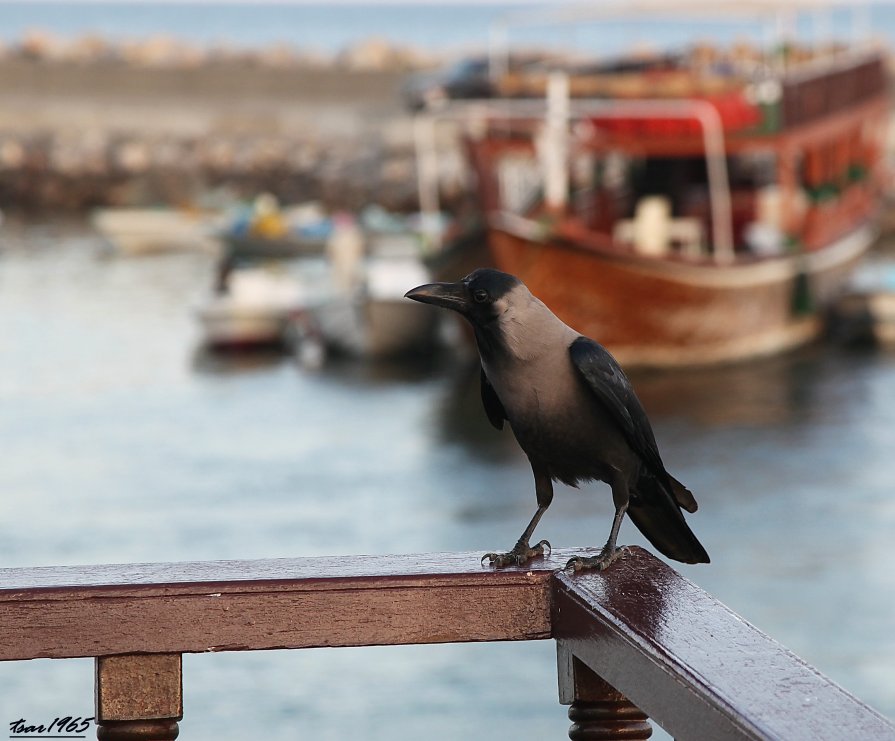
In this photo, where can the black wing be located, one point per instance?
(493, 408)
(606, 379)
(654, 511)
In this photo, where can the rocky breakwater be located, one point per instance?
(88, 124)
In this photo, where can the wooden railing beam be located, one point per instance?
(663, 644)
(270, 604)
(692, 665)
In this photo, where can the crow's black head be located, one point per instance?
(481, 296)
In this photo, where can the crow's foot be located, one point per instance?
(519, 556)
(600, 562)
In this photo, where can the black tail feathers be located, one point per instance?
(656, 513)
(682, 495)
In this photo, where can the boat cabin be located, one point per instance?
(708, 154)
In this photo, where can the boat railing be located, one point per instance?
(779, 19)
(637, 641)
(702, 111)
(823, 88)
(840, 61)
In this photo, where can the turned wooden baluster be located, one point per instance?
(139, 697)
(597, 710)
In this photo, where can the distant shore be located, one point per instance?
(74, 136)
(88, 122)
(209, 98)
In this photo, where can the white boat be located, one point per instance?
(360, 308)
(253, 307)
(141, 231)
(375, 320)
(349, 301)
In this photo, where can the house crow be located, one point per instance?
(573, 412)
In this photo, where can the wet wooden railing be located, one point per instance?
(635, 642)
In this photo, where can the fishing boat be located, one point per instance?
(691, 208)
(253, 306)
(362, 311)
(266, 231)
(146, 231)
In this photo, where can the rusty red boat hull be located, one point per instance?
(651, 312)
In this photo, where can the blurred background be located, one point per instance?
(192, 193)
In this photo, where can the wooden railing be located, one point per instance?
(635, 641)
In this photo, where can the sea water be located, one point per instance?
(123, 441)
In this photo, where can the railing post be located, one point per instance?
(139, 697)
(597, 710)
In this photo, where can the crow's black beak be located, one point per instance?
(447, 295)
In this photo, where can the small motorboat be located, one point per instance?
(252, 307)
(143, 231)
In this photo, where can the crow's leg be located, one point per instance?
(609, 553)
(522, 551)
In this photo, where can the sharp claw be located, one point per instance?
(519, 556)
(600, 563)
(499, 560)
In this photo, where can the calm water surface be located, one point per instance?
(123, 442)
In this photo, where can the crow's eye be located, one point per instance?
(481, 295)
